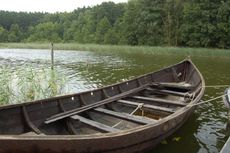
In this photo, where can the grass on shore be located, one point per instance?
(206, 52)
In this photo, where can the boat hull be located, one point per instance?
(135, 140)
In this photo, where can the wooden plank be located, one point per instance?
(175, 75)
(28, 121)
(138, 82)
(69, 124)
(169, 110)
(175, 85)
(191, 74)
(94, 124)
(94, 105)
(161, 101)
(169, 92)
(125, 116)
(120, 89)
(105, 94)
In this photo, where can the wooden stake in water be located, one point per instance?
(52, 56)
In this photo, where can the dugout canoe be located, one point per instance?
(128, 117)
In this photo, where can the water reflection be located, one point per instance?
(204, 131)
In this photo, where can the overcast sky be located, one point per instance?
(49, 5)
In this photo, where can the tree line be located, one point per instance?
(192, 23)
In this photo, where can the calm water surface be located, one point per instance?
(204, 132)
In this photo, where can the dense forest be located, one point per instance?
(193, 23)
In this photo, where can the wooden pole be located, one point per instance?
(52, 56)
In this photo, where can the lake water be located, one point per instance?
(204, 132)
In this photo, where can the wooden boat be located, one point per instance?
(128, 117)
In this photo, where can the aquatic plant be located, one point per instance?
(28, 84)
(5, 87)
(172, 51)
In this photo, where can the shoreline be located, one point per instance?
(197, 52)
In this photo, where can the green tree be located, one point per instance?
(68, 32)
(89, 28)
(15, 34)
(110, 10)
(131, 16)
(223, 28)
(46, 32)
(199, 27)
(144, 22)
(77, 27)
(111, 37)
(22, 19)
(102, 28)
(172, 16)
(192, 23)
(120, 30)
(3, 34)
(150, 27)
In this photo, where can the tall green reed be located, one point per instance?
(156, 50)
(5, 86)
(28, 84)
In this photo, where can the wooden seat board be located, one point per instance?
(168, 92)
(125, 116)
(158, 100)
(95, 124)
(147, 106)
(94, 105)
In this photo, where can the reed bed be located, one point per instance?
(174, 51)
(28, 84)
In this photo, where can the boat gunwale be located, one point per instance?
(179, 112)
